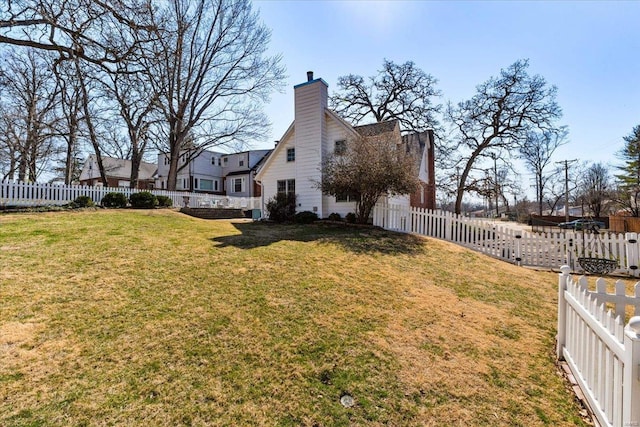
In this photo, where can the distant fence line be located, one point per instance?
(546, 250)
(27, 194)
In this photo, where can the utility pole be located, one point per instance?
(566, 187)
(494, 156)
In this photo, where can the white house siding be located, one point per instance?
(335, 132)
(249, 160)
(246, 183)
(279, 169)
(201, 167)
(313, 135)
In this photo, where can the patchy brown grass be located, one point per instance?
(153, 318)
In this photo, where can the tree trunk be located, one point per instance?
(70, 161)
(176, 138)
(87, 118)
(136, 160)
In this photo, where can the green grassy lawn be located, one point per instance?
(130, 317)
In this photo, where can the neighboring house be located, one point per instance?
(316, 131)
(215, 173)
(422, 144)
(118, 173)
(203, 173)
(240, 171)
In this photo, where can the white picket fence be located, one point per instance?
(23, 194)
(603, 354)
(546, 250)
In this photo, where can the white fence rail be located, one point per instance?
(23, 194)
(547, 250)
(603, 354)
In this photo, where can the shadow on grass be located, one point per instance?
(352, 238)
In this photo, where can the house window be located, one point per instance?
(162, 184)
(287, 186)
(237, 185)
(225, 160)
(291, 154)
(206, 184)
(195, 183)
(347, 198)
(240, 162)
(213, 161)
(340, 147)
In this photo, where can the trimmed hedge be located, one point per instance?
(305, 217)
(114, 200)
(143, 200)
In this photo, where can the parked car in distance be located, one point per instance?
(582, 224)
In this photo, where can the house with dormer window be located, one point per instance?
(215, 173)
(294, 166)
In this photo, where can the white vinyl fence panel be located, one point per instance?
(22, 194)
(602, 354)
(546, 250)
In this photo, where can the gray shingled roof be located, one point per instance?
(374, 129)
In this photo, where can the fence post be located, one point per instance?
(569, 250)
(631, 246)
(563, 277)
(518, 253)
(631, 381)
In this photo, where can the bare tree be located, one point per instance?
(85, 29)
(536, 151)
(398, 92)
(136, 105)
(83, 33)
(29, 99)
(9, 142)
(368, 168)
(499, 117)
(211, 69)
(556, 185)
(68, 127)
(595, 188)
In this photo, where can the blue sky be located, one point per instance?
(590, 50)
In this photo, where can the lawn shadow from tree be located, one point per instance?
(357, 239)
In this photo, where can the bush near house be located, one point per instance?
(82, 202)
(164, 201)
(114, 200)
(305, 217)
(334, 217)
(143, 200)
(282, 207)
